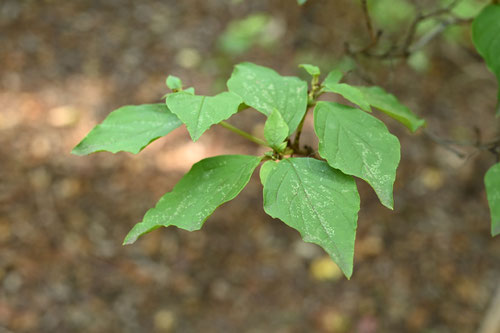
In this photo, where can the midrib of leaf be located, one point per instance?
(199, 114)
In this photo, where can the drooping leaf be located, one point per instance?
(311, 69)
(265, 90)
(174, 83)
(389, 104)
(201, 112)
(210, 183)
(276, 131)
(492, 182)
(129, 128)
(486, 38)
(351, 93)
(358, 144)
(320, 202)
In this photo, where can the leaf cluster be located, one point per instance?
(314, 193)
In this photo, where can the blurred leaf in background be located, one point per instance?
(399, 12)
(258, 29)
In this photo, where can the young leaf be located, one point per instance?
(492, 182)
(358, 144)
(320, 202)
(486, 38)
(265, 90)
(201, 112)
(351, 93)
(333, 77)
(311, 69)
(210, 183)
(389, 104)
(129, 128)
(276, 131)
(174, 83)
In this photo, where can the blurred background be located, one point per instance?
(428, 266)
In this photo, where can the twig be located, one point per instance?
(492, 146)
(368, 21)
(406, 49)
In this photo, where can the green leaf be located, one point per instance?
(311, 69)
(129, 128)
(333, 77)
(486, 38)
(265, 90)
(320, 202)
(275, 130)
(240, 35)
(389, 104)
(210, 183)
(174, 83)
(492, 182)
(301, 2)
(351, 93)
(201, 112)
(265, 169)
(358, 144)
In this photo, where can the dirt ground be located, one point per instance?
(428, 266)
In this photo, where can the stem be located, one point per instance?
(315, 92)
(244, 134)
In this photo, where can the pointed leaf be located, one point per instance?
(492, 182)
(265, 90)
(486, 38)
(129, 128)
(320, 202)
(333, 77)
(210, 183)
(389, 104)
(275, 130)
(358, 144)
(201, 112)
(174, 83)
(351, 93)
(311, 69)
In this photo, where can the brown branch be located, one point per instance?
(406, 49)
(492, 146)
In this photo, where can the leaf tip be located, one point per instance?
(129, 239)
(495, 229)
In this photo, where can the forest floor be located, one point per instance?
(428, 266)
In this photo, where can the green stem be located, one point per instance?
(315, 92)
(243, 134)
